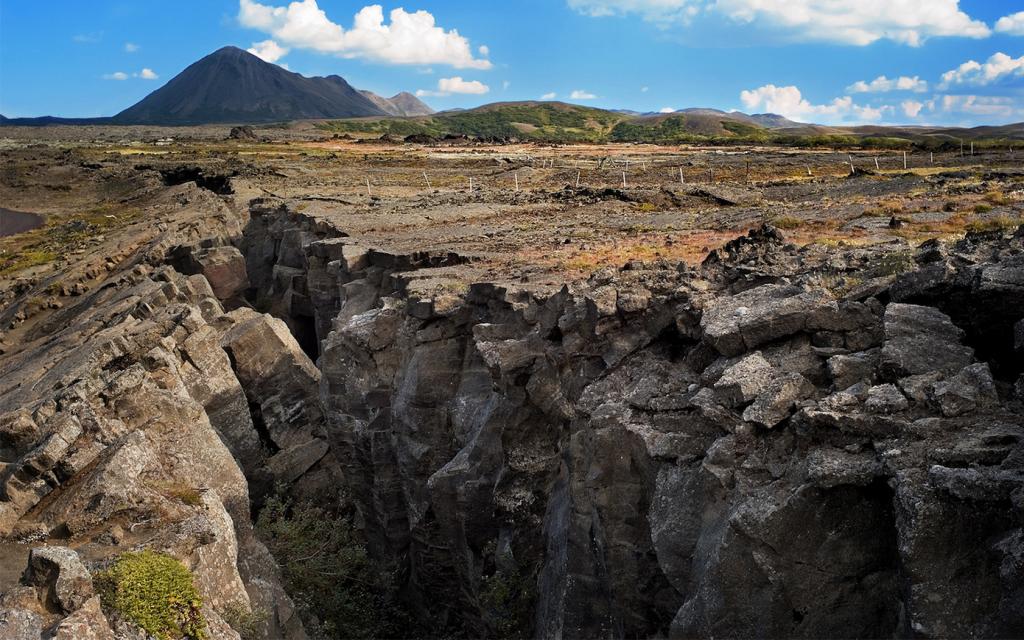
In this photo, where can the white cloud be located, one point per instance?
(549, 96)
(789, 102)
(131, 47)
(448, 86)
(911, 108)
(852, 22)
(580, 94)
(410, 38)
(990, 106)
(881, 84)
(644, 89)
(145, 74)
(667, 110)
(268, 51)
(1012, 24)
(997, 67)
(484, 50)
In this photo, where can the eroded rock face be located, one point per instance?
(661, 451)
(656, 454)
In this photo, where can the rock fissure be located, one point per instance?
(660, 450)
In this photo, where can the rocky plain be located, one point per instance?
(558, 392)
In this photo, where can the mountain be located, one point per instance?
(403, 105)
(233, 86)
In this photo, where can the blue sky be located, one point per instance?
(829, 61)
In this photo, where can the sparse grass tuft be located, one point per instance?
(787, 222)
(1002, 223)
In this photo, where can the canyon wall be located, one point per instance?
(777, 443)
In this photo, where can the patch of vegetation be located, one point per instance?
(507, 603)
(997, 198)
(885, 209)
(1001, 223)
(982, 208)
(246, 621)
(181, 492)
(787, 222)
(154, 591)
(338, 591)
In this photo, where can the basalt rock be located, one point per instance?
(660, 451)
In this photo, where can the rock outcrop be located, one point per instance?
(662, 450)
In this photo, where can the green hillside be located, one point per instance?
(557, 122)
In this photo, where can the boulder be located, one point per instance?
(224, 268)
(745, 380)
(776, 402)
(848, 370)
(921, 340)
(277, 377)
(59, 572)
(886, 398)
(750, 319)
(828, 468)
(971, 389)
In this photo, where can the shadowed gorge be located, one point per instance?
(728, 408)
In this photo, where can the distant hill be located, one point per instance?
(403, 105)
(233, 86)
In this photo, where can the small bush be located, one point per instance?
(996, 198)
(156, 592)
(787, 222)
(246, 621)
(982, 208)
(507, 603)
(338, 591)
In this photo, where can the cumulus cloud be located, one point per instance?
(268, 51)
(117, 75)
(448, 86)
(147, 74)
(409, 38)
(997, 67)
(852, 22)
(131, 47)
(580, 94)
(549, 96)
(1012, 24)
(667, 110)
(911, 108)
(789, 102)
(881, 84)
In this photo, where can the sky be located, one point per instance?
(949, 62)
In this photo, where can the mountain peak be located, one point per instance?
(234, 86)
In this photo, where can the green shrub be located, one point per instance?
(154, 591)
(338, 591)
(246, 621)
(507, 603)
